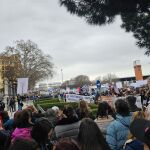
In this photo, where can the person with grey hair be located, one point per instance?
(51, 115)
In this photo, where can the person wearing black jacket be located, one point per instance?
(2, 105)
(132, 104)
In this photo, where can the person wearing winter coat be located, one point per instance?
(68, 126)
(2, 105)
(42, 133)
(23, 125)
(131, 100)
(103, 118)
(117, 131)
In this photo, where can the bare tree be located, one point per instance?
(34, 64)
(81, 80)
(109, 78)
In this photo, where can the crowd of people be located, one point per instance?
(123, 126)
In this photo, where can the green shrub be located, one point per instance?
(94, 112)
(61, 105)
(47, 101)
(93, 106)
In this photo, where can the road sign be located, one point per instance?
(98, 84)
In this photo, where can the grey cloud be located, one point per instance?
(75, 46)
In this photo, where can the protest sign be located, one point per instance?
(22, 86)
(119, 85)
(77, 98)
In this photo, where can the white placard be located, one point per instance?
(148, 82)
(22, 86)
(119, 85)
(77, 98)
(139, 83)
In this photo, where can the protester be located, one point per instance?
(142, 94)
(147, 95)
(23, 125)
(97, 96)
(2, 105)
(42, 132)
(117, 131)
(12, 104)
(36, 115)
(136, 115)
(84, 111)
(90, 137)
(51, 115)
(7, 102)
(132, 142)
(68, 126)
(9, 124)
(20, 102)
(66, 144)
(140, 128)
(5, 116)
(132, 104)
(147, 112)
(103, 117)
(24, 144)
(4, 136)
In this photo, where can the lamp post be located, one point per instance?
(62, 75)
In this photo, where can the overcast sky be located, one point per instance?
(76, 47)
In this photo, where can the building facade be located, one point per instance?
(9, 70)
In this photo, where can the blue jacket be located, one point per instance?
(117, 132)
(9, 124)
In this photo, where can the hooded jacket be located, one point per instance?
(117, 132)
(21, 133)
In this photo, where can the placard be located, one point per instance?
(22, 86)
(77, 98)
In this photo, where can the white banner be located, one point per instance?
(22, 86)
(139, 83)
(119, 85)
(77, 98)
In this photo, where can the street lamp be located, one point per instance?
(62, 75)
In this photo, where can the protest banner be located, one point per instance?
(77, 98)
(22, 86)
(139, 83)
(119, 85)
(148, 82)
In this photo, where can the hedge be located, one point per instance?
(47, 101)
(61, 105)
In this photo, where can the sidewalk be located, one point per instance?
(25, 104)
